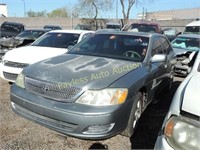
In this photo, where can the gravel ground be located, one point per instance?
(17, 133)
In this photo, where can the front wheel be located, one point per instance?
(135, 114)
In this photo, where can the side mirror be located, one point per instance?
(158, 58)
(179, 33)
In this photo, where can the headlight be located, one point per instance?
(5, 50)
(20, 80)
(183, 133)
(2, 59)
(103, 97)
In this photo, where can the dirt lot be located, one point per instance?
(17, 133)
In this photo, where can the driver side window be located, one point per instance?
(157, 47)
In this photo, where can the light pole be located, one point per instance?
(117, 10)
(24, 8)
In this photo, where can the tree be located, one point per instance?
(126, 13)
(31, 13)
(60, 12)
(92, 8)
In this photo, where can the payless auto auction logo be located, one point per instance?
(99, 75)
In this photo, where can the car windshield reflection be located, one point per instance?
(58, 40)
(113, 46)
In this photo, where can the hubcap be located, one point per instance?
(138, 113)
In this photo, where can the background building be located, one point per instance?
(3, 10)
(193, 13)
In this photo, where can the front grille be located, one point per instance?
(15, 64)
(10, 76)
(52, 91)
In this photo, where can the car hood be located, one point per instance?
(179, 51)
(32, 54)
(191, 97)
(88, 72)
(7, 42)
(12, 42)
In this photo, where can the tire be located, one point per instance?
(169, 85)
(135, 114)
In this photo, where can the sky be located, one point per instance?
(16, 8)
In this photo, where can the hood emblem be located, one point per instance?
(45, 88)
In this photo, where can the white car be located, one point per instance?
(181, 127)
(192, 27)
(51, 44)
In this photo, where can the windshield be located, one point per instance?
(142, 28)
(82, 27)
(186, 43)
(126, 47)
(12, 28)
(113, 26)
(52, 27)
(170, 32)
(192, 29)
(31, 34)
(58, 40)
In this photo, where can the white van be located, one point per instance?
(192, 27)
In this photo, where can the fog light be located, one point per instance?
(98, 129)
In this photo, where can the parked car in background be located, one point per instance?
(170, 33)
(50, 44)
(145, 27)
(98, 89)
(83, 27)
(10, 29)
(181, 127)
(24, 38)
(192, 28)
(27, 36)
(52, 27)
(113, 25)
(185, 47)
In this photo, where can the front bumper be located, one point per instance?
(81, 121)
(9, 73)
(161, 144)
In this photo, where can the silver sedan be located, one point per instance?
(181, 127)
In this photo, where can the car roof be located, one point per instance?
(51, 26)
(14, 23)
(69, 31)
(189, 35)
(37, 30)
(146, 23)
(194, 23)
(144, 34)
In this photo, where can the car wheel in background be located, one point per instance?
(169, 84)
